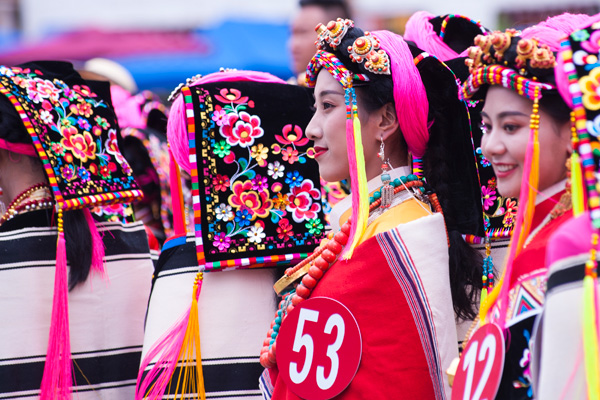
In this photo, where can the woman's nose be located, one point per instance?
(313, 131)
(492, 144)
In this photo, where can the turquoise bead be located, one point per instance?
(278, 321)
(385, 177)
(274, 335)
(412, 177)
(404, 179)
(422, 189)
(371, 200)
(397, 182)
(377, 195)
(276, 328)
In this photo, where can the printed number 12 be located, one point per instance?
(487, 347)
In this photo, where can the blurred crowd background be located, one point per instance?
(163, 42)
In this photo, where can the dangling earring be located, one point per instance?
(387, 190)
(2, 205)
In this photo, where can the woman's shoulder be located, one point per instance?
(406, 212)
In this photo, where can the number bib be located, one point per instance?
(319, 349)
(480, 368)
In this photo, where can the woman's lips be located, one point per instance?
(319, 151)
(504, 170)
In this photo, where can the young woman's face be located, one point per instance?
(505, 119)
(327, 129)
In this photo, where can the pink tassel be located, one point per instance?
(58, 379)
(167, 351)
(97, 245)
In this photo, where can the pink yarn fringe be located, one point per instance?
(412, 106)
(58, 379)
(419, 30)
(97, 245)
(166, 351)
(177, 122)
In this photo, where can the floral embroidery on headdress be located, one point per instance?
(257, 186)
(74, 132)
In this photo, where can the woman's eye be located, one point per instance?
(510, 127)
(327, 106)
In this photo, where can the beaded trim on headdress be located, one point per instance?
(503, 58)
(451, 16)
(75, 136)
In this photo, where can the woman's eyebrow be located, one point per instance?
(329, 92)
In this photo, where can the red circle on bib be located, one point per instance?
(480, 368)
(318, 349)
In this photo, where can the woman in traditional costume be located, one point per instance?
(565, 354)
(380, 102)
(58, 158)
(448, 37)
(527, 139)
(257, 204)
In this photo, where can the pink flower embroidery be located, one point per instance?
(488, 196)
(244, 131)
(292, 134)
(231, 96)
(38, 89)
(301, 203)
(290, 155)
(220, 116)
(222, 242)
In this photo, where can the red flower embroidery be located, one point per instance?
(112, 147)
(82, 145)
(292, 134)
(38, 89)
(285, 230)
(231, 96)
(243, 197)
(221, 183)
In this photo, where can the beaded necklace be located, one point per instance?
(37, 197)
(313, 268)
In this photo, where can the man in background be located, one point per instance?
(302, 39)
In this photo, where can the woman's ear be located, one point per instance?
(388, 121)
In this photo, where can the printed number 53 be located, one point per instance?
(305, 340)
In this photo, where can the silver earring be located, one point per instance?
(387, 190)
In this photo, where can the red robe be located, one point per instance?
(381, 287)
